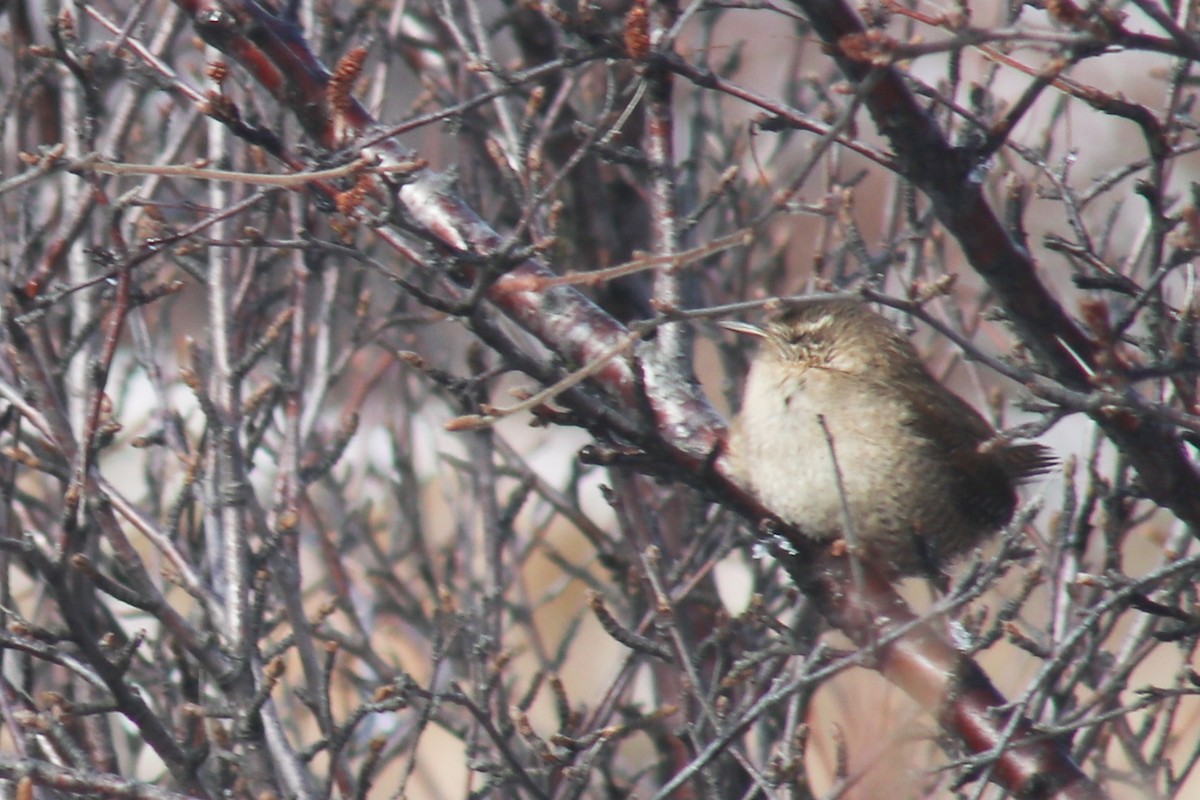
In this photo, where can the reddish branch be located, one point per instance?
(686, 430)
(944, 681)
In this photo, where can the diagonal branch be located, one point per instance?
(689, 432)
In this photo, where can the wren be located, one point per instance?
(841, 424)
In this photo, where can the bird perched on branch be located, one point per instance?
(842, 432)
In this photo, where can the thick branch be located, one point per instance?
(921, 660)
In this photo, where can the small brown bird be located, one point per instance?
(918, 470)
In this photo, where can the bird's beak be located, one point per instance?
(742, 327)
